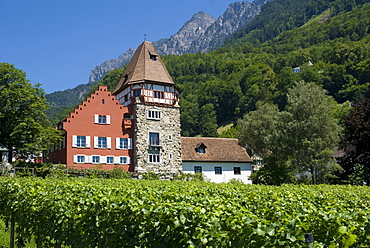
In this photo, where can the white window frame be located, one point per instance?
(153, 143)
(128, 160)
(92, 159)
(154, 114)
(118, 144)
(108, 142)
(74, 141)
(108, 157)
(97, 119)
(76, 159)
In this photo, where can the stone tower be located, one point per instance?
(149, 92)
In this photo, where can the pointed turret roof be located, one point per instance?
(145, 66)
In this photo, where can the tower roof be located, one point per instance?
(145, 66)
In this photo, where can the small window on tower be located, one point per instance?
(136, 92)
(102, 101)
(153, 57)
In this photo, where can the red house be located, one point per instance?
(96, 134)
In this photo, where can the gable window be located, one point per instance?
(154, 155)
(154, 139)
(109, 160)
(158, 94)
(237, 171)
(154, 114)
(198, 169)
(202, 150)
(101, 119)
(95, 159)
(218, 170)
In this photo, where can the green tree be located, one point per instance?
(355, 144)
(296, 144)
(310, 132)
(23, 126)
(208, 121)
(257, 129)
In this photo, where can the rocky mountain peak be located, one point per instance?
(201, 33)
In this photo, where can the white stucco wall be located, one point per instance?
(208, 169)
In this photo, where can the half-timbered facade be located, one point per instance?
(148, 91)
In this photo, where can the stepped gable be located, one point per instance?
(104, 94)
(145, 66)
(216, 150)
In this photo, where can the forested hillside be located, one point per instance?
(223, 85)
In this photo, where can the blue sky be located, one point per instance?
(57, 42)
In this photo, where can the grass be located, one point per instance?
(5, 237)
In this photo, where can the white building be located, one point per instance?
(219, 159)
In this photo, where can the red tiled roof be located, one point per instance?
(217, 150)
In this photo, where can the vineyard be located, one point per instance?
(139, 213)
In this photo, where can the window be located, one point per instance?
(136, 92)
(102, 101)
(95, 159)
(237, 171)
(153, 57)
(102, 142)
(170, 137)
(81, 141)
(158, 94)
(102, 119)
(80, 159)
(154, 139)
(198, 169)
(218, 170)
(154, 114)
(123, 160)
(123, 143)
(200, 148)
(154, 155)
(109, 160)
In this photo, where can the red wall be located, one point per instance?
(81, 122)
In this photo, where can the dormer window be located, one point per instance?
(200, 148)
(153, 56)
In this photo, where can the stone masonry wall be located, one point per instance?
(168, 128)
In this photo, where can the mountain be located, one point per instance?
(99, 71)
(201, 33)
(70, 96)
